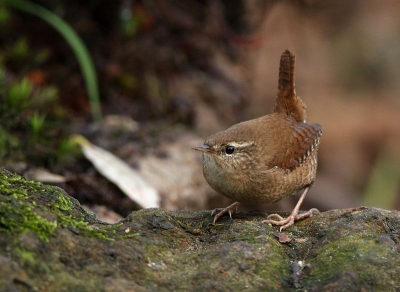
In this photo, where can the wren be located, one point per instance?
(268, 158)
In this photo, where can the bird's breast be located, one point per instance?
(257, 185)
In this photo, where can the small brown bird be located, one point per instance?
(266, 159)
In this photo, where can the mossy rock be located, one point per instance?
(48, 242)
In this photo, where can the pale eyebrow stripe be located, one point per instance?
(241, 144)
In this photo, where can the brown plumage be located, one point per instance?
(287, 101)
(266, 159)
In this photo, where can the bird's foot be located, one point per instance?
(289, 221)
(222, 211)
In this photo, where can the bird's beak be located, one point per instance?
(202, 148)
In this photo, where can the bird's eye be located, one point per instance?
(229, 150)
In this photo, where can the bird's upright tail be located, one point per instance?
(287, 102)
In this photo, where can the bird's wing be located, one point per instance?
(302, 144)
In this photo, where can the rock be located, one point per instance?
(49, 242)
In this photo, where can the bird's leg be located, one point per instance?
(294, 215)
(221, 211)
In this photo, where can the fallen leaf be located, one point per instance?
(283, 238)
(43, 175)
(120, 173)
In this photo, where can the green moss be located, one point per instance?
(26, 256)
(63, 207)
(19, 212)
(276, 271)
(130, 235)
(355, 254)
(24, 219)
(30, 260)
(64, 203)
(18, 216)
(247, 238)
(81, 227)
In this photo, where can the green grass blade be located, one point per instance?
(75, 42)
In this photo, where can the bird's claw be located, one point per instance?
(289, 221)
(222, 211)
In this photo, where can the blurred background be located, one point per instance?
(147, 80)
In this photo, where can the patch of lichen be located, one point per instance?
(243, 242)
(276, 271)
(360, 255)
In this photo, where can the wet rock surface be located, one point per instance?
(48, 242)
